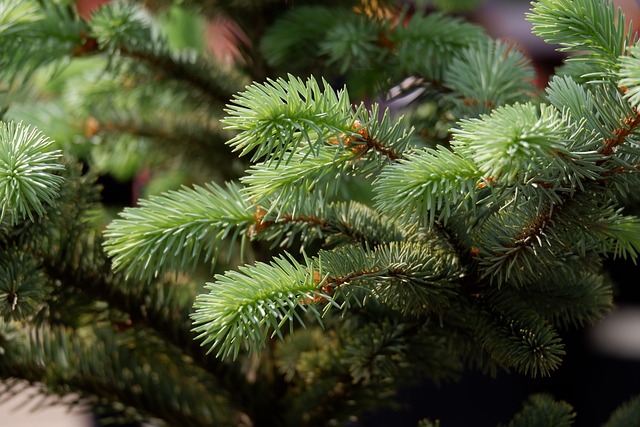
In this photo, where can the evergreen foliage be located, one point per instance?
(350, 250)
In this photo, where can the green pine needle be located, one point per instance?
(425, 44)
(488, 75)
(514, 142)
(279, 115)
(426, 186)
(15, 14)
(595, 31)
(22, 286)
(283, 185)
(521, 340)
(624, 232)
(630, 74)
(542, 410)
(244, 308)
(169, 233)
(28, 181)
(626, 415)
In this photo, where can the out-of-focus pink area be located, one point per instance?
(86, 7)
(505, 19)
(30, 409)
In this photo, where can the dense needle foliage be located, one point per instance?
(302, 251)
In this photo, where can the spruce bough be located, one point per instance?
(359, 251)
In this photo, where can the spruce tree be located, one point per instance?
(322, 251)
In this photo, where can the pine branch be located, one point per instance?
(145, 125)
(526, 243)
(192, 218)
(297, 32)
(243, 306)
(79, 270)
(77, 364)
(353, 42)
(27, 172)
(369, 53)
(35, 34)
(426, 186)
(363, 358)
(472, 255)
(516, 141)
(540, 410)
(624, 232)
(630, 75)
(121, 28)
(22, 286)
(586, 111)
(310, 139)
(488, 75)
(596, 34)
(170, 233)
(338, 224)
(614, 124)
(415, 279)
(520, 340)
(626, 414)
(277, 116)
(426, 44)
(38, 34)
(282, 187)
(577, 301)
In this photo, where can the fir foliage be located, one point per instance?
(597, 34)
(542, 410)
(378, 247)
(627, 414)
(27, 170)
(174, 230)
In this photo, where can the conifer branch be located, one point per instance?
(56, 33)
(77, 364)
(630, 75)
(587, 298)
(624, 232)
(281, 187)
(243, 308)
(548, 233)
(625, 414)
(427, 186)
(308, 147)
(426, 44)
(514, 141)
(23, 288)
(168, 233)
(600, 33)
(489, 75)
(630, 123)
(353, 41)
(584, 107)
(35, 34)
(246, 307)
(27, 172)
(473, 254)
(299, 31)
(541, 409)
(138, 40)
(527, 343)
(416, 279)
(279, 115)
(336, 223)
